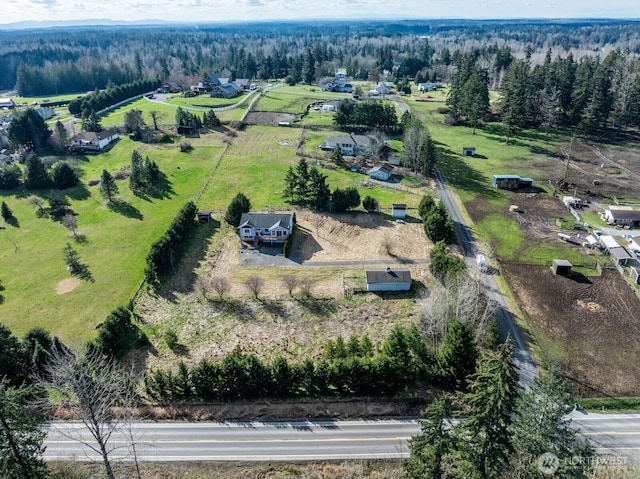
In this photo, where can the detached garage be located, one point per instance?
(388, 279)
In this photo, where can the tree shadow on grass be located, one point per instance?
(180, 350)
(275, 309)
(82, 272)
(241, 309)
(78, 193)
(462, 175)
(13, 221)
(319, 307)
(125, 209)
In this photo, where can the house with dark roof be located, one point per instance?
(92, 141)
(388, 279)
(265, 228)
(622, 217)
(7, 103)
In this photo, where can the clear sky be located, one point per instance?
(211, 11)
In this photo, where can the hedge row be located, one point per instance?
(98, 101)
(400, 363)
(166, 251)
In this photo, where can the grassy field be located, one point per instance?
(113, 241)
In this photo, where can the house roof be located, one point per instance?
(94, 135)
(468, 147)
(507, 177)
(399, 206)
(609, 242)
(619, 253)
(383, 276)
(266, 220)
(385, 168)
(625, 215)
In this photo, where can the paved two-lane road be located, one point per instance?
(617, 435)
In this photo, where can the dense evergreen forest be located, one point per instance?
(578, 73)
(53, 61)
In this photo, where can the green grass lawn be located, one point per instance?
(114, 241)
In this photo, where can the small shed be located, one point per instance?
(204, 216)
(388, 279)
(619, 255)
(399, 210)
(634, 271)
(468, 151)
(608, 243)
(561, 266)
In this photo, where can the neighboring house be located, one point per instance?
(259, 228)
(218, 87)
(45, 112)
(468, 151)
(625, 217)
(619, 255)
(383, 88)
(330, 106)
(339, 84)
(429, 86)
(244, 84)
(399, 210)
(634, 271)
(511, 182)
(170, 87)
(351, 145)
(6, 103)
(381, 172)
(388, 279)
(91, 141)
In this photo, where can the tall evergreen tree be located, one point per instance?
(428, 450)
(239, 204)
(21, 438)
(493, 391)
(36, 176)
(108, 186)
(28, 129)
(540, 426)
(457, 355)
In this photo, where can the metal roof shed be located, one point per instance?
(561, 266)
(388, 280)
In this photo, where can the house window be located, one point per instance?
(246, 231)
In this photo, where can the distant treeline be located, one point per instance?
(48, 62)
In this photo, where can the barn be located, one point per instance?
(561, 266)
(388, 279)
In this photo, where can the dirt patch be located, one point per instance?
(357, 237)
(588, 325)
(268, 118)
(67, 285)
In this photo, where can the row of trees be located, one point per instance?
(358, 368)
(165, 252)
(99, 100)
(366, 114)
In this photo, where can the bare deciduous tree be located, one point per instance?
(69, 221)
(290, 281)
(155, 117)
(462, 299)
(97, 392)
(254, 285)
(306, 284)
(220, 285)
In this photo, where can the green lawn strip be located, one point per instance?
(204, 101)
(115, 242)
(611, 404)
